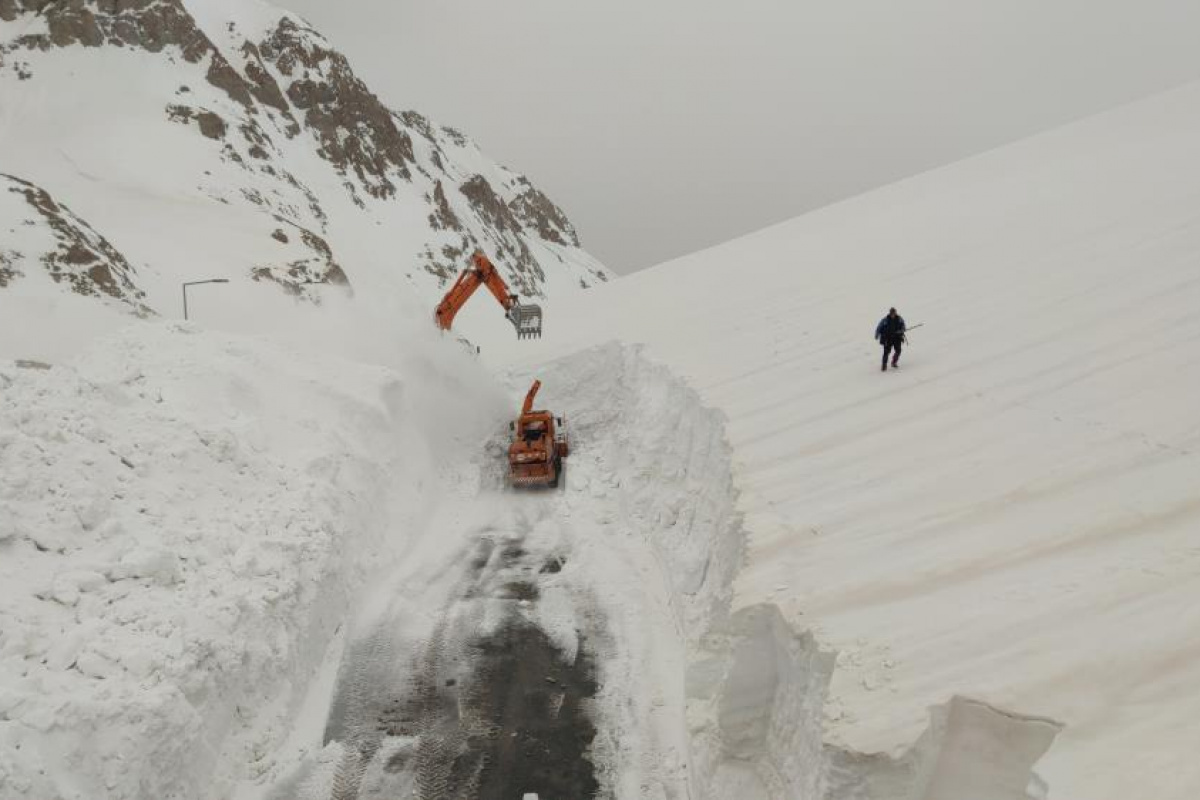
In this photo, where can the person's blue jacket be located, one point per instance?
(890, 328)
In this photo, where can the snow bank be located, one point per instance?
(629, 563)
(757, 703)
(651, 538)
(1012, 515)
(185, 518)
(651, 535)
(666, 471)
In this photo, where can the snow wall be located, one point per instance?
(755, 688)
(185, 520)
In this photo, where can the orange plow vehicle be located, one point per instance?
(525, 317)
(535, 457)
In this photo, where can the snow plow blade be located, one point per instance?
(535, 478)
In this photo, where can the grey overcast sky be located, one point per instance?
(666, 126)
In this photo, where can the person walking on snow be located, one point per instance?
(890, 333)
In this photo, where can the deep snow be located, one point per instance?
(198, 529)
(1012, 515)
(204, 533)
(644, 541)
(185, 519)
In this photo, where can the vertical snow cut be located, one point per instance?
(654, 462)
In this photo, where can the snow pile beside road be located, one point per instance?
(653, 541)
(696, 700)
(666, 470)
(184, 520)
(651, 536)
(621, 570)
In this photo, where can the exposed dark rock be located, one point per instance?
(151, 25)
(262, 85)
(419, 123)
(509, 247)
(423, 128)
(258, 140)
(538, 212)
(224, 77)
(314, 205)
(489, 205)
(448, 265)
(443, 217)
(294, 277)
(73, 23)
(82, 259)
(455, 136)
(211, 125)
(358, 134)
(178, 113)
(146, 24)
(8, 268)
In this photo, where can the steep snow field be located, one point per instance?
(1014, 515)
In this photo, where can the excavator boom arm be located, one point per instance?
(491, 277)
(482, 272)
(455, 299)
(527, 319)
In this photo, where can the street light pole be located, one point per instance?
(197, 283)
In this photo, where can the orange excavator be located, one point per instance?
(535, 457)
(525, 317)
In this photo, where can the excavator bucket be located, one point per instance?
(527, 319)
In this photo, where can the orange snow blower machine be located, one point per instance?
(535, 457)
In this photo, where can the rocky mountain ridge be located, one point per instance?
(231, 137)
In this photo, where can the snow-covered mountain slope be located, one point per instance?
(207, 138)
(1012, 515)
(47, 241)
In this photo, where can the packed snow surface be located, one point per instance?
(1013, 514)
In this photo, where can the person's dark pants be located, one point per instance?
(890, 348)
